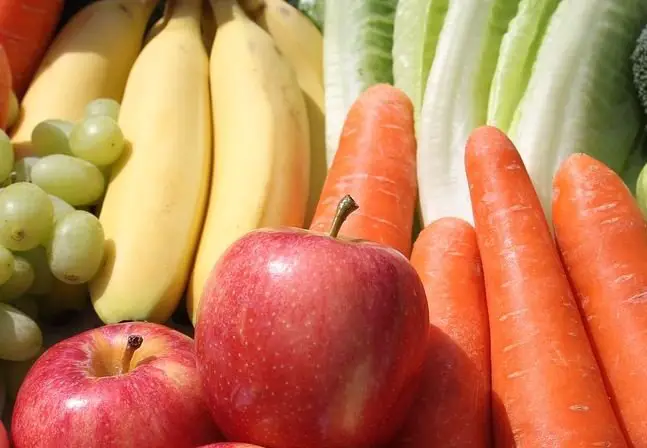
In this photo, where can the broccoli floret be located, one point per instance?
(639, 60)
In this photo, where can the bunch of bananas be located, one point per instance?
(222, 110)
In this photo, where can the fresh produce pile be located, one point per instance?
(386, 223)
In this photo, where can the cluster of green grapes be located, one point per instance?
(46, 229)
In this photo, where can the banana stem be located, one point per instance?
(226, 10)
(143, 7)
(253, 8)
(179, 9)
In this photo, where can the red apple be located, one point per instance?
(230, 445)
(307, 340)
(120, 385)
(4, 437)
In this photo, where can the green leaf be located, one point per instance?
(580, 96)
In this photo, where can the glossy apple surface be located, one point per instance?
(306, 340)
(230, 445)
(4, 437)
(117, 386)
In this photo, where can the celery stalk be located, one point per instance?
(517, 55)
(415, 35)
(455, 102)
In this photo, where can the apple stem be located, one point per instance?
(346, 206)
(134, 342)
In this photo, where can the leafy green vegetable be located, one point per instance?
(415, 34)
(314, 9)
(580, 96)
(635, 163)
(517, 55)
(358, 42)
(639, 60)
(455, 102)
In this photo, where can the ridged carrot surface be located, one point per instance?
(547, 386)
(376, 165)
(603, 240)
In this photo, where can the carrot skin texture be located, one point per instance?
(376, 165)
(547, 386)
(26, 28)
(602, 237)
(452, 409)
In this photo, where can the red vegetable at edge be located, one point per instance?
(26, 28)
(547, 386)
(5, 88)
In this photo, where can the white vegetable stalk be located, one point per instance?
(417, 25)
(455, 102)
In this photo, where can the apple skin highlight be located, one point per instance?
(77, 393)
(304, 339)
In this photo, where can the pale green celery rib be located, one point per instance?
(358, 45)
(418, 24)
(455, 102)
(580, 96)
(518, 52)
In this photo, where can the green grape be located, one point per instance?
(76, 181)
(51, 137)
(26, 216)
(22, 168)
(105, 107)
(75, 252)
(20, 281)
(61, 208)
(6, 156)
(98, 140)
(43, 278)
(6, 264)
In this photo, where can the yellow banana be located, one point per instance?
(302, 45)
(294, 34)
(154, 205)
(90, 58)
(261, 155)
(207, 25)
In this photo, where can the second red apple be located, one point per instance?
(307, 340)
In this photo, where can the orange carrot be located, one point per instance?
(603, 240)
(547, 386)
(5, 88)
(26, 27)
(452, 408)
(376, 165)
